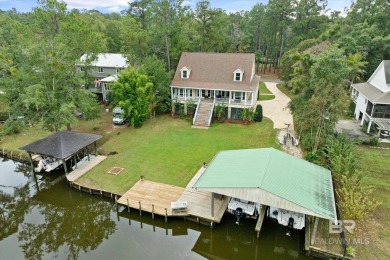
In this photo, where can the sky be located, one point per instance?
(108, 6)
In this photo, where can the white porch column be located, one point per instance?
(230, 97)
(369, 126)
(185, 94)
(171, 93)
(362, 121)
(245, 97)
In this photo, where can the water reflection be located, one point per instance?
(42, 218)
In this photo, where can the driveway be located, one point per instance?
(276, 109)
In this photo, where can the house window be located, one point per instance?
(184, 74)
(189, 92)
(82, 68)
(181, 92)
(118, 70)
(236, 113)
(237, 77)
(100, 70)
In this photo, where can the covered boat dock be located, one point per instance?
(62, 145)
(272, 178)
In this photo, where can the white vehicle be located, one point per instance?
(119, 116)
(288, 218)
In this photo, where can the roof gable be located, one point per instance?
(380, 79)
(280, 174)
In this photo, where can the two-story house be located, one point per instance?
(372, 100)
(103, 69)
(209, 79)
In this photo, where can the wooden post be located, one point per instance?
(152, 211)
(116, 202)
(90, 191)
(212, 204)
(101, 193)
(31, 161)
(65, 167)
(95, 147)
(128, 207)
(140, 212)
(75, 161)
(313, 236)
(166, 215)
(197, 220)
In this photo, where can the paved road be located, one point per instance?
(276, 109)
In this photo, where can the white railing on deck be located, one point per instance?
(196, 111)
(211, 113)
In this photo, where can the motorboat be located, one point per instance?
(287, 218)
(48, 164)
(243, 209)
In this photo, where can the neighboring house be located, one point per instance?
(103, 69)
(372, 100)
(208, 79)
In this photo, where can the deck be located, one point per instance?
(156, 198)
(153, 197)
(85, 167)
(199, 202)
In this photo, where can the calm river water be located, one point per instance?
(42, 219)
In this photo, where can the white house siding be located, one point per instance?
(378, 80)
(361, 105)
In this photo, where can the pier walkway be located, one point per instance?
(84, 168)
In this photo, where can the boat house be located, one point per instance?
(61, 146)
(271, 178)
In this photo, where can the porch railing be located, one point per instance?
(211, 113)
(196, 111)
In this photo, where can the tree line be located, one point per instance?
(38, 49)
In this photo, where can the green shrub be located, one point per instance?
(258, 114)
(12, 126)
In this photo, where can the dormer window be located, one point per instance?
(185, 73)
(237, 75)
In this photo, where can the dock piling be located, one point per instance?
(166, 215)
(152, 211)
(140, 211)
(128, 207)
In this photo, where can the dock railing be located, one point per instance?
(211, 113)
(196, 110)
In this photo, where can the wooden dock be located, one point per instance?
(199, 202)
(84, 168)
(156, 198)
(152, 197)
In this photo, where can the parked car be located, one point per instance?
(119, 116)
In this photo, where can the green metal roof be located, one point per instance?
(276, 172)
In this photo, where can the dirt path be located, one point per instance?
(277, 110)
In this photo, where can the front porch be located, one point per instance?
(235, 98)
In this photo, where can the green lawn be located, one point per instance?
(282, 87)
(376, 167)
(263, 89)
(266, 97)
(264, 92)
(169, 151)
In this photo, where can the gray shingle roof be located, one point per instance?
(215, 71)
(62, 144)
(108, 60)
(372, 93)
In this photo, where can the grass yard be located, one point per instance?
(169, 151)
(376, 166)
(264, 92)
(263, 89)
